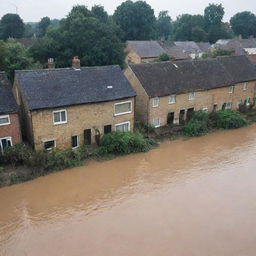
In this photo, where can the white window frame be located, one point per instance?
(153, 103)
(245, 86)
(193, 94)
(123, 113)
(156, 126)
(205, 110)
(127, 122)
(248, 101)
(231, 89)
(59, 111)
(1, 145)
(9, 120)
(230, 103)
(78, 141)
(170, 97)
(49, 149)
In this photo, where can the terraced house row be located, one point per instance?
(70, 107)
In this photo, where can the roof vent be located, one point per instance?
(175, 65)
(110, 87)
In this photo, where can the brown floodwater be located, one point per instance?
(190, 197)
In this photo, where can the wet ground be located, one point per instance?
(193, 197)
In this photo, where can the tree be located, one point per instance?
(42, 26)
(11, 25)
(99, 13)
(136, 19)
(80, 34)
(198, 34)
(164, 25)
(244, 23)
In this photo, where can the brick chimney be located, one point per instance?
(76, 62)
(51, 63)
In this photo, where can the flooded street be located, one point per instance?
(192, 197)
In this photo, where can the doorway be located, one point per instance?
(4, 143)
(190, 113)
(87, 137)
(170, 118)
(182, 116)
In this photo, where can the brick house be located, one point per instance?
(68, 107)
(169, 92)
(9, 119)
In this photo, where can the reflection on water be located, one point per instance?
(187, 197)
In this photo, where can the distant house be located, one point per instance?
(191, 48)
(9, 119)
(27, 42)
(169, 92)
(174, 52)
(69, 107)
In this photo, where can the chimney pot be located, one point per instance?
(51, 63)
(76, 62)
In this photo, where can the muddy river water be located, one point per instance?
(190, 197)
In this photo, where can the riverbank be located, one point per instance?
(35, 164)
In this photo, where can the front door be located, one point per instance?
(87, 137)
(182, 117)
(190, 113)
(4, 143)
(107, 129)
(170, 118)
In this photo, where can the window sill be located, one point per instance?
(5, 124)
(59, 123)
(171, 103)
(124, 113)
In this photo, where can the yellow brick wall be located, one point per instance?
(203, 99)
(79, 118)
(142, 99)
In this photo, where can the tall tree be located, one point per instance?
(136, 19)
(164, 25)
(99, 13)
(11, 25)
(244, 23)
(42, 26)
(80, 34)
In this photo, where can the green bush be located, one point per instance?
(124, 143)
(198, 124)
(229, 119)
(164, 57)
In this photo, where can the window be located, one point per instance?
(49, 144)
(239, 103)
(231, 89)
(123, 108)
(60, 117)
(4, 143)
(123, 127)
(191, 96)
(248, 101)
(228, 105)
(172, 99)
(156, 122)
(75, 141)
(155, 102)
(205, 110)
(245, 87)
(4, 120)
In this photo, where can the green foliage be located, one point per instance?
(11, 25)
(136, 19)
(81, 34)
(164, 57)
(244, 23)
(124, 143)
(42, 26)
(229, 119)
(198, 125)
(163, 25)
(215, 52)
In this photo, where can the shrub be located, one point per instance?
(229, 119)
(198, 124)
(124, 143)
(164, 57)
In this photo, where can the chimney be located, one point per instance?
(76, 62)
(51, 63)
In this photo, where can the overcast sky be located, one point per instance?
(34, 10)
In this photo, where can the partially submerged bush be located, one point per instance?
(229, 119)
(124, 143)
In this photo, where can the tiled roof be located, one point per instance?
(165, 78)
(7, 101)
(50, 88)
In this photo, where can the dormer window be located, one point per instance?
(191, 96)
(60, 117)
(4, 120)
(155, 102)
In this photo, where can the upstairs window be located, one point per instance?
(245, 87)
(123, 108)
(155, 102)
(231, 89)
(60, 117)
(4, 120)
(172, 99)
(191, 96)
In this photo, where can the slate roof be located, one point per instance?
(165, 78)
(50, 88)
(146, 49)
(188, 46)
(204, 46)
(8, 104)
(173, 51)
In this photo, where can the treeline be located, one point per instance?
(99, 39)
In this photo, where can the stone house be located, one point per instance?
(9, 119)
(169, 92)
(69, 107)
